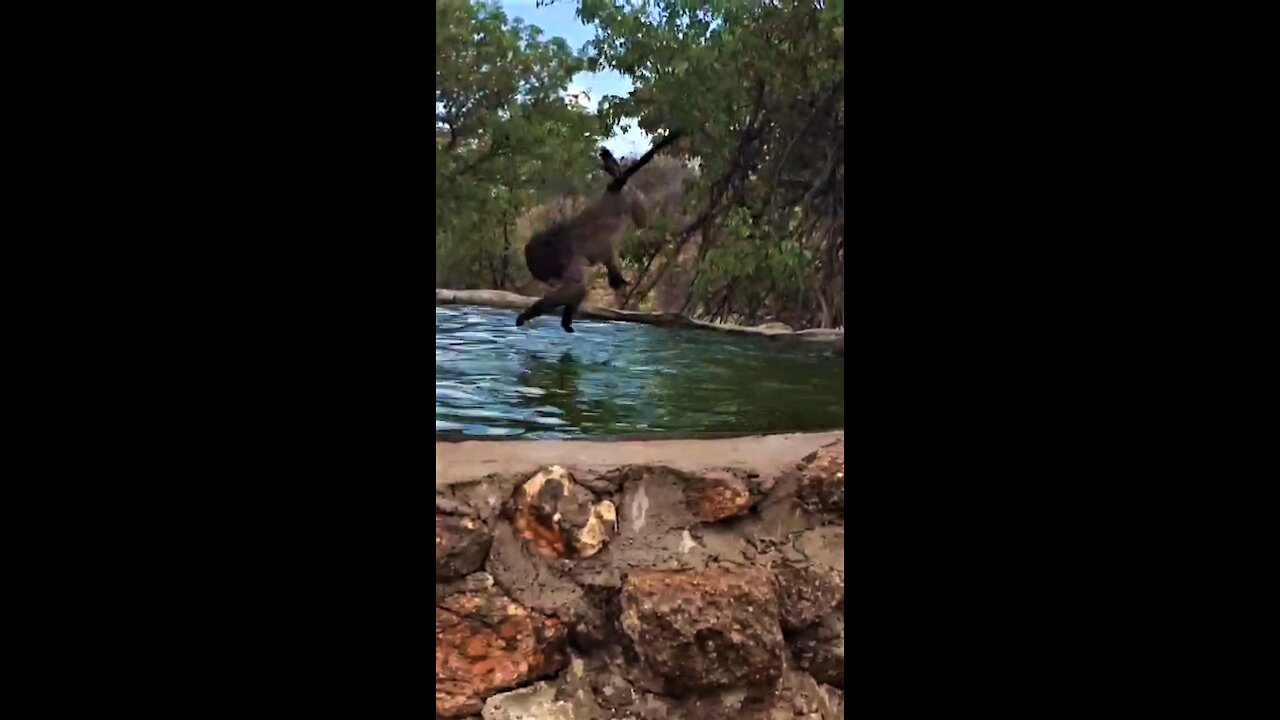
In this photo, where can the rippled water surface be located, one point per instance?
(616, 378)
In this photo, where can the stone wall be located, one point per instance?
(643, 591)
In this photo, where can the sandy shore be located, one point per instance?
(471, 460)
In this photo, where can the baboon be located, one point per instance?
(561, 254)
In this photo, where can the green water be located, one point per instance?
(615, 378)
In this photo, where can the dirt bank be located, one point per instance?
(657, 579)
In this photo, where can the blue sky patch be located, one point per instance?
(561, 20)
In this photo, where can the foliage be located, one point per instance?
(505, 137)
(757, 86)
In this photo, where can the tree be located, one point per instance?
(758, 86)
(503, 129)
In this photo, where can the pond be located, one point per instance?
(623, 379)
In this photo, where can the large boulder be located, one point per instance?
(702, 630)
(487, 643)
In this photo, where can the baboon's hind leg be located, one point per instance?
(573, 288)
(573, 291)
(571, 307)
(541, 306)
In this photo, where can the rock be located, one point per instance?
(702, 630)
(452, 506)
(797, 697)
(462, 543)
(717, 495)
(654, 499)
(604, 482)
(475, 582)
(820, 486)
(823, 545)
(704, 593)
(536, 702)
(819, 649)
(656, 531)
(600, 528)
(539, 583)
(558, 518)
(724, 493)
(595, 626)
(776, 327)
(487, 643)
(807, 594)
(485, 495)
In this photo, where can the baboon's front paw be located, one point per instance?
(521, 319)
(568, 328)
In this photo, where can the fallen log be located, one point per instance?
(510, 300)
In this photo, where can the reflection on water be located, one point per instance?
(538, 381)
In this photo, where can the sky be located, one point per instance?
(560, 19)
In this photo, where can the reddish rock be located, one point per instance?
(701, 630)
(718, 494)
(820, 485)
(724, 493)
(462, 543)
(487, 643)
(807, 594)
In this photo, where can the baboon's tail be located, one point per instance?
(621, 180)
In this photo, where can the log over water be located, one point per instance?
(504, 299)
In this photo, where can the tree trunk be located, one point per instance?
(634, 290)
(824, 317)
(506, 256)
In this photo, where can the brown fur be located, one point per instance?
(561, 254)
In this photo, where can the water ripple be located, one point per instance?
(537, 381)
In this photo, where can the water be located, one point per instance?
(617, 378)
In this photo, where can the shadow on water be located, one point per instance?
(623, 379)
